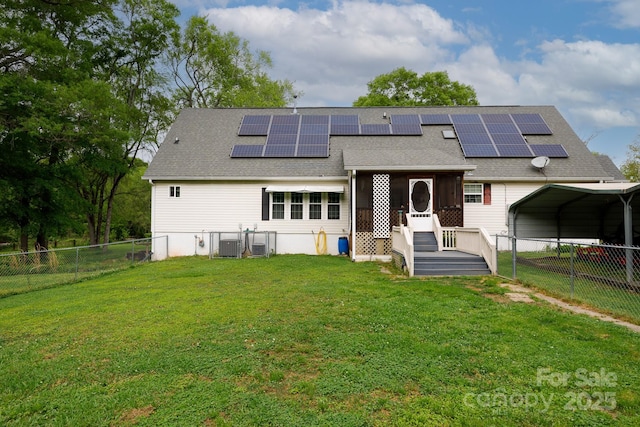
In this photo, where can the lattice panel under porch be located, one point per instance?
(366, 244)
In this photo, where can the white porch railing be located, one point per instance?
(474, 241)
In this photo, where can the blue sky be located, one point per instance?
(583, 56)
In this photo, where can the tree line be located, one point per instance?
(88, 86)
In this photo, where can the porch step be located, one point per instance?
(425, 241)
(449, 263)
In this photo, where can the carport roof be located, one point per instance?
(574, 210)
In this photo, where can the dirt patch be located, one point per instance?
(131, 417)
(529, 293)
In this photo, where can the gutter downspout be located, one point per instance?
(353, 215)
(153, 217)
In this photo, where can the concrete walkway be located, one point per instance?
(521, 294)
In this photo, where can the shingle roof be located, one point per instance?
(207, 136)
(608, 165)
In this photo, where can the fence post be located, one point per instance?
(573, 271)
(133, 252)
(77, 263)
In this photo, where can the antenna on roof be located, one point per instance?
(295, 104)
(540, 162)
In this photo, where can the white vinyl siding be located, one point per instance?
(225, 206)
(494, 217)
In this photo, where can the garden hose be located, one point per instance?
(321, 242)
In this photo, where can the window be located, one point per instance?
(296, 205)
(277, 205)
(300, 206)
(174, 191)
(473, 193)
(334, 206)
(315, 206)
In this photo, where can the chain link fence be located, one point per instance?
(29, 271)
(605, 277)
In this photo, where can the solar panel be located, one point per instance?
(247, 151)
(534, 129)
(305, 150)
(315, 120)
(508, 139)
(527, 118)
(484, 150)
(406, 129)
(549, 150)
(465, 118)
(275, 150)
(254, 130)
(256, 120)
(277, 139)
(375, 129)
(496, 118)
(283, 129)
(404, 119)
(531, 124)
(314, 129)
(292, 119)
(502, 128)
(435, 119)
(521, 150)
(339, 129)
(313, 139)
(347, 119)
(469, 128)
(474, 138)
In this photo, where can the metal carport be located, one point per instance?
(603, 211)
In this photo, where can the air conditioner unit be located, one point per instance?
(258, 249)
(229, 248)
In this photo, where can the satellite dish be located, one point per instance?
(540, 162)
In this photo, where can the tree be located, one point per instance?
(131, 65)
(631, 166)
(212, 69)
(45, 47)
(402, 87)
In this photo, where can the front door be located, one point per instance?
(420, 204)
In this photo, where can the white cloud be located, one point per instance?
(626, 12)
(344, 47)
(331, 55)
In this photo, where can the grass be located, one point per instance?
(551, 274)
(302, 340)
(21, 273)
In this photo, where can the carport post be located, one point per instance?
(512, 221)
(628, 236)
(513, 257)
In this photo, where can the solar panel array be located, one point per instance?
(492, 135)
(308, 135)
(480, 135)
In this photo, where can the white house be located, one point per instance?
(356, 177)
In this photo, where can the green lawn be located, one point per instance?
(552, 275)
(304, 340)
